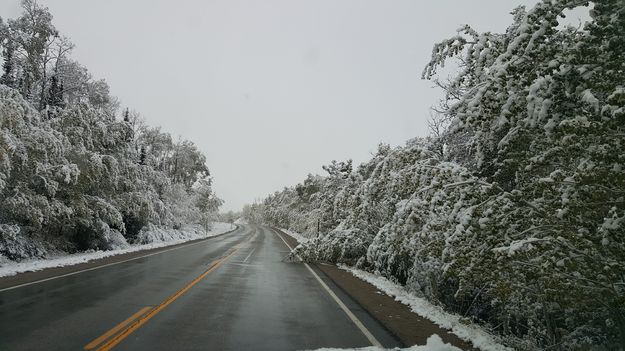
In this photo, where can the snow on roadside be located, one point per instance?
(297, 236)
(153, 234)
(153, 238)
(434, 343)
(469, 332)
(479, 337)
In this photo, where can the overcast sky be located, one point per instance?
(271, 90)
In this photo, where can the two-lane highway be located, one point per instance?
(233, 292)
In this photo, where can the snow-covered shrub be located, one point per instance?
(14, 245)
(153, 234)
(545, 110)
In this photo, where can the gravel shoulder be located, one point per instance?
(407, 326)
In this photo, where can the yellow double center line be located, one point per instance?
(138, 319)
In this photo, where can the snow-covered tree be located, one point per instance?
(544, 107)
(514, 215)
(72, 175)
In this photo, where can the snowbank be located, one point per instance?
(434, 343)
(149, 239)
(154, 234)
(469, 332)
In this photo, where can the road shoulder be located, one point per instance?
(407, 326)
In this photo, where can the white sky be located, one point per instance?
(271, 90)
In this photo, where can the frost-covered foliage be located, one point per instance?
(73, 176)
(518, 219)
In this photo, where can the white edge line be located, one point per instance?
(347, 311)
(248, 256)
(108, 264)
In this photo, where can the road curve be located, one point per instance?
(233, 292)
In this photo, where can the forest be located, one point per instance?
(77, 171)
(512, 211)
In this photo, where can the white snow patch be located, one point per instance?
(518, 245)
(434, 343)
(160, 237)
(590, 99)
(479, 337)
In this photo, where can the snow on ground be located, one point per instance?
(153, 238)
(154, 234)
(299, 237)
(469, 332)
(434, 343)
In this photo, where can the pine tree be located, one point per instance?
(142, 155)
(127, 116)
(55, 93)
(8, 66)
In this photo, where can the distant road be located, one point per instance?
(233, 292)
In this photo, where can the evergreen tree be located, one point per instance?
(126, 115)
(8, 74)
(55, 93)
(142, 155)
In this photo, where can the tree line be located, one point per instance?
(76, 171)
(512, 213)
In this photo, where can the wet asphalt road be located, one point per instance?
(232, 292)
